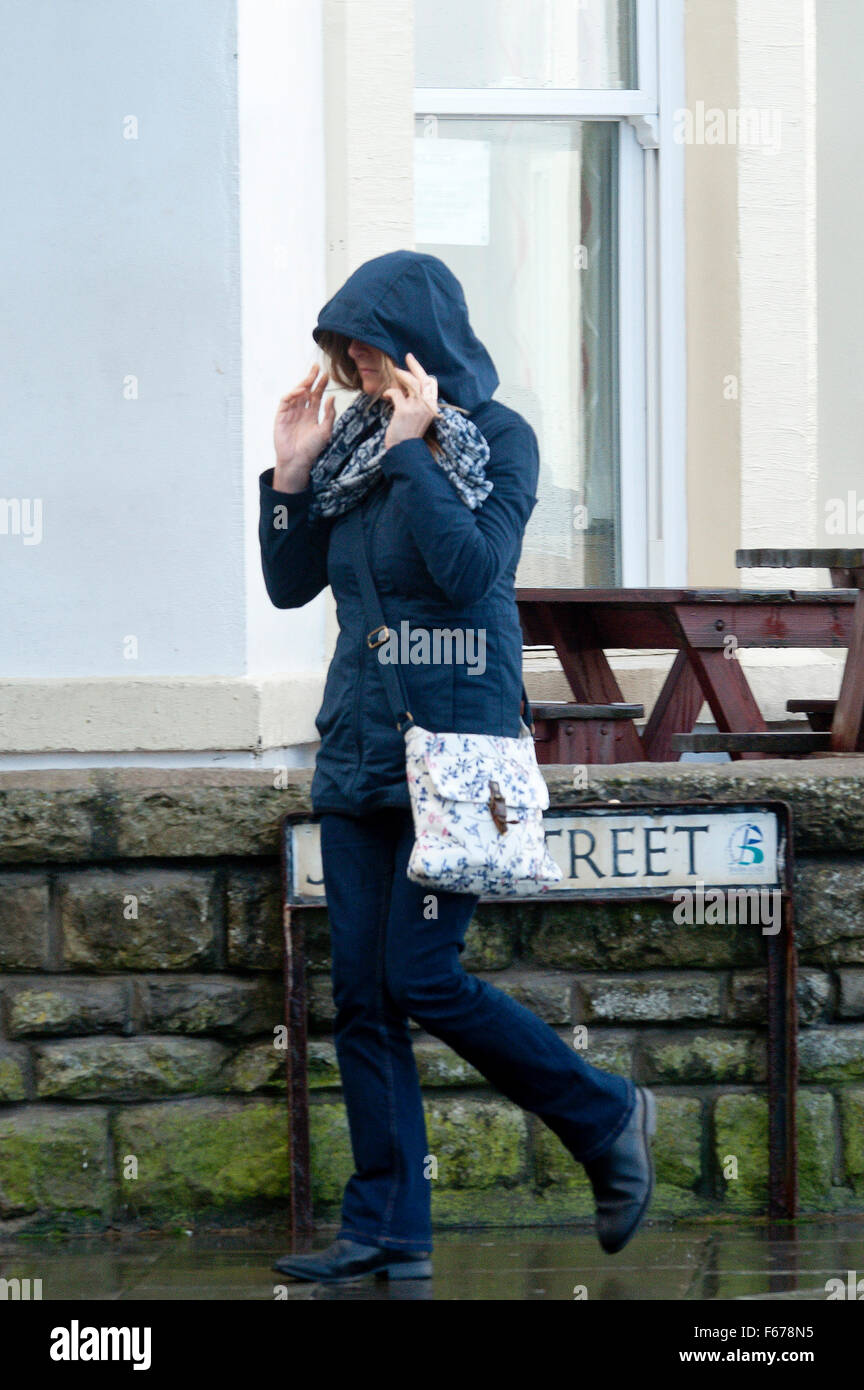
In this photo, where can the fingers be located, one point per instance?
(415, 367)
(419, 383)
(328, 418)
(414, 378)
(417, 377)
(302, 390)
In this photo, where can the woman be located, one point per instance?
(444, 477)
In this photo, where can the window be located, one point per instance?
(511, 44)
(536, 180)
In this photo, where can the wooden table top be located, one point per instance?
(662, 598)
(791, 558)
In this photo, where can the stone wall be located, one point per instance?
(140, 985)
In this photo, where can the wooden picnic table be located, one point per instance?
(845, 717)
(697, 624)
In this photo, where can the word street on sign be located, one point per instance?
(606, 851)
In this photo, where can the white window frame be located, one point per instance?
(651, 339)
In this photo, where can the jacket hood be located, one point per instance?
(408, 301)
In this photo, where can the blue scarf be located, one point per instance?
(350, 464)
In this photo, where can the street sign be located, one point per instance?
(610, 851)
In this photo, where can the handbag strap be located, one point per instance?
(379, 631)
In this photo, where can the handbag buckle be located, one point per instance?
(382, 627)
(498, 806)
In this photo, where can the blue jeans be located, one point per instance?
(392, 960)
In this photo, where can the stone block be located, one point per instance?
(851, 1102)
(741, 1145)
(54, 1160)
(254, 914)
(200, 1155)
(748, 996)
(490, 941)
(831, 1054)
(128, 1068)
(477, 1143)
(645, 998)
(39, 824)
(678, 1142)
(688, 1058)
(24, 934)
(331, 1163)
(829, 911)
(606, 1048)
(439, 1065)
(219, 1004)
(851, 1001)
(259, 1066)
(630, 936)
(144, 919)
(547, 996)
(322, 1066)
(14, 1072)
(320, 1008)
(59, 1006)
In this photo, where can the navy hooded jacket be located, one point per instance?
(435, 562)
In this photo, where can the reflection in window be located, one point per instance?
(524, 212)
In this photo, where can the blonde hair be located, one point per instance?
(344, 372)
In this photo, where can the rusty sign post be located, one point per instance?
(747, 847)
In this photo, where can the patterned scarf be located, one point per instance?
(351, 463)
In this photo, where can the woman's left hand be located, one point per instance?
(414, 401)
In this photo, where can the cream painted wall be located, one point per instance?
(777, 247)
(713, 310)
(839, 159)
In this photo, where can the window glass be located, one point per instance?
(524, 211)
(511, 43)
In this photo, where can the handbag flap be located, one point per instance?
(460, 766)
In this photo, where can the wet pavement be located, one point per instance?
(684, 1261)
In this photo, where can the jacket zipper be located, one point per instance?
(361, 682)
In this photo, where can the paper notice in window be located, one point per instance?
(451, 191)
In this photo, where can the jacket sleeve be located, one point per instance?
(293, 545)
(466, 551)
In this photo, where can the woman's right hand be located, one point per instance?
(298, 435)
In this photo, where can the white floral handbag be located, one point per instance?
(477, 800)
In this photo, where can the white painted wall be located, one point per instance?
(283, 241)
(125, 256)
(191, 258)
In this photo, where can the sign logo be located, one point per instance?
(745, 846)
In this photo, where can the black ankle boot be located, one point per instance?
(346, 1259)
(623, 1177)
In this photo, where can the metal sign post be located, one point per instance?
(607, 851)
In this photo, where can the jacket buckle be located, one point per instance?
(381, 640)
